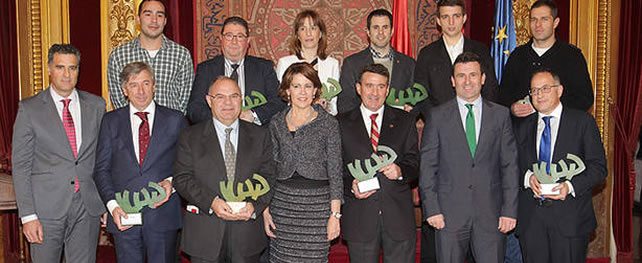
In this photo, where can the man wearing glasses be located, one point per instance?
(251, 74)
(171, 62)
(545, 51)
(557, 227)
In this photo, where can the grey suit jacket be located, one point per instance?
(44, 166)
(460, 187)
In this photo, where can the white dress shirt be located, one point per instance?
(454, 50)
(477, 111)
(240, 71)
(365, 114)
(220, 134)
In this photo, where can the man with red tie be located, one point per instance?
(136, 146)
(54, 143)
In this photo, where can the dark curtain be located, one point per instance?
(180, 24)
(627, 113)
(9, 97)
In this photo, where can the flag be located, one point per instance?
(401, 37)
(504, 37)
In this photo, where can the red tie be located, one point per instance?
(143, 137)
(374, 133)
(70, 129)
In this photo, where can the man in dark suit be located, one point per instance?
(379, 30)
(137, 145)
(382, 218)
(251, 74)
(469, 168)
(556, 228)
(53, 155)
(212, 151)
(435, 61)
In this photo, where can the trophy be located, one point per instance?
(366, 175)
(236, 201)
(134, 217)
(330, 91)
(251, 103)
(567, 172)
(408, 96)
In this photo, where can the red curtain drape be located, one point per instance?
(401, 37)
(627, 113)
(9, 96)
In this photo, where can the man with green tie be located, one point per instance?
(468, 175)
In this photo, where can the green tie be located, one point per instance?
(470, 130)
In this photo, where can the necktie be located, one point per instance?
(471, 136)
(70, 130)
(143, 137)
(374, 132)
(545, 144)
(230, 155)
(235, 74)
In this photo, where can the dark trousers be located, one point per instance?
(428, 248)
(76, 233)
(541, 241)
(140, 242)
(229, 254)
(397, 251)
(453, 245)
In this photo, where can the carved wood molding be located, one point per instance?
(118, 26)
(40, 24)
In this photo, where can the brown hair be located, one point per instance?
(135, 68)
(295, 43)
(307, 71)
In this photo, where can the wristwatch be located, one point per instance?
(336, 215)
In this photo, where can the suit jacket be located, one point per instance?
(44, 166)
(259, 76)
(198, 170)
(577, 134)
(394, 198)
(117, 167)
(460, 187)
(434, 69)
(401, 76)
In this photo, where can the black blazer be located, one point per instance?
(394, 199)
(401, 76)
(198, 170)
(578, 134)
(117, 168)
(259, 76)
(434, 69)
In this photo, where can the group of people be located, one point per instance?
(474, 164)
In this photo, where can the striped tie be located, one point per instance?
(374, 132)
(230, 155)
(70, 129)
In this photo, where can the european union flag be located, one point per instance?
(504, 38)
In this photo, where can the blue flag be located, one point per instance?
(504, 37)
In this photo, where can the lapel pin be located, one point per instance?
(392, 125)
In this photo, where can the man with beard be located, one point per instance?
(171, 62)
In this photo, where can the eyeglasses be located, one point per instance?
(230, 37)
(221, 97)
(534, 91)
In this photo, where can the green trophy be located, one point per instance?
(330, 90)
(245, 190)
(254, 100)
(133, 206)
(566, 172)
(410, 96)
(366, 174)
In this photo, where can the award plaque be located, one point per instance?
(565, 172)
(365, 170)
(244, 190)
(133, 206)
(410, 96)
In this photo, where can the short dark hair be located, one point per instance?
(459, 3)
(135, 68)
(467, 57)
(546, 70)
(140, 6)
(62, 49)
(548, 3)
(236, 20)
(376, 69)
(295, 43)
(307, 71)
(378, 12)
